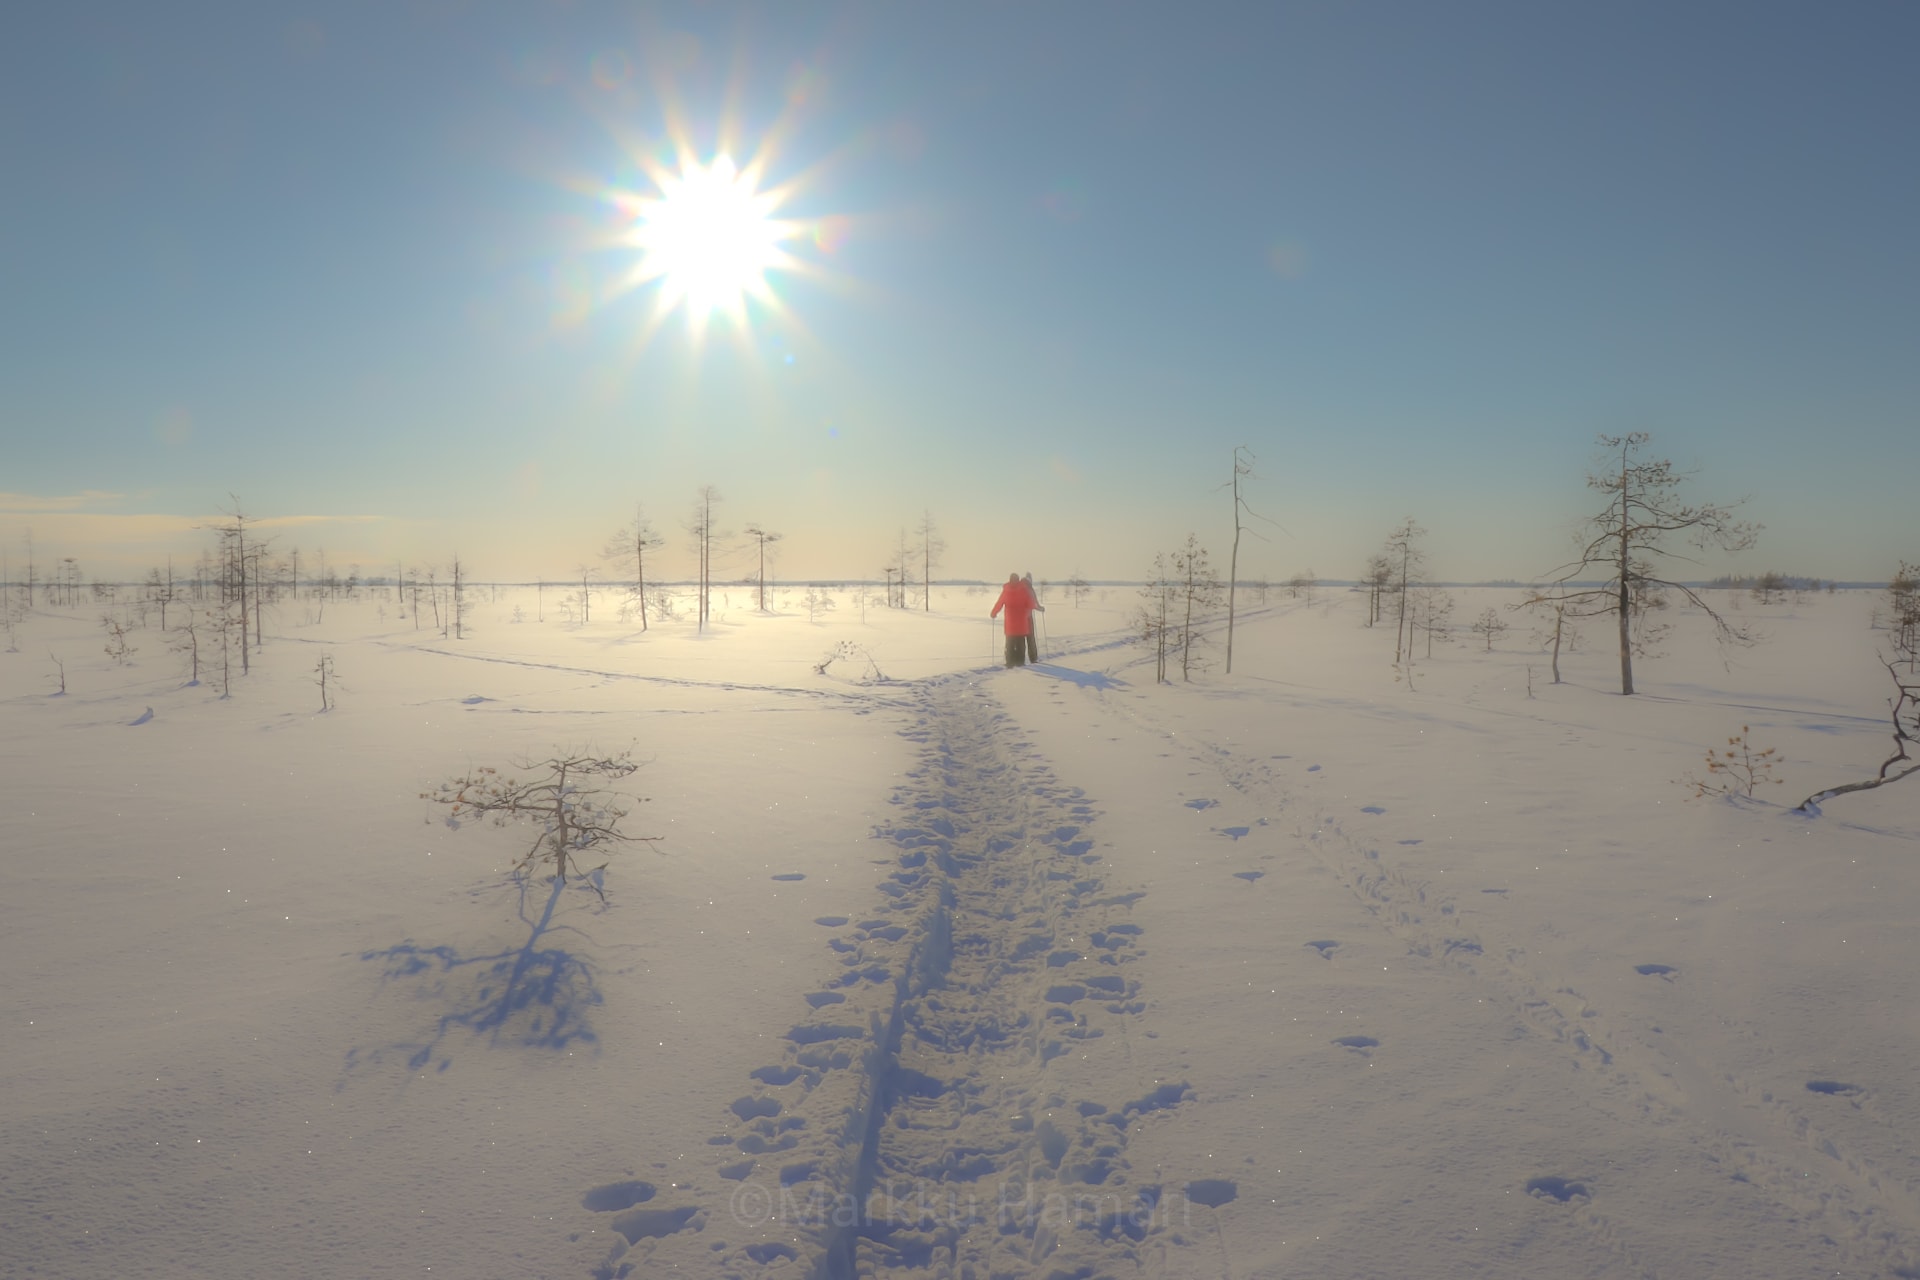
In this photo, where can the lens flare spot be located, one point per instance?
(175, 428)
(611, 69)
(830, 233)
(1288, 259)
(806, 85)
(1065, 202)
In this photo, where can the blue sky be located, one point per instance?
(357, 264)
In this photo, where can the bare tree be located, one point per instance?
(586, 593)
(1154, 617)
(1379, 577)
(1489, 624)
(323, 676)
(1432, 611)
(903, 565)
(160, 590)
(573, 814)
(118, 647)
(1561, 634)
(818, 601)
(763, 536)
(1905, 706)
(1406, 562)
(1644, 512)
(13, 611)
(1903, 613)
(701, 527)
(238, 584)
(932, 548)
(1199, 595)
(1302, 584)
(186, 641)
(1242, 470)
(1769, 586)
(457, 607)
(628, 548)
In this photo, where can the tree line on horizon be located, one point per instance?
(1624, 572)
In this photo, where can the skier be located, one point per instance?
(1033, 624)
(1017, 599)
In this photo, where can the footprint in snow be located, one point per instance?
(1835, 1088)
(1213, 1192)
(1664, 972)
(1561, 1189)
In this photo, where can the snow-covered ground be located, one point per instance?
(939, 969)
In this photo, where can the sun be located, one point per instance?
(709, 240)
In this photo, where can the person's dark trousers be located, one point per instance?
(1033, 648)
(1016, 651)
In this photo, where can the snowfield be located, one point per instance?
(937, 969)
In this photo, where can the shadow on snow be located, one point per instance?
(1085, 679)
(533, 996)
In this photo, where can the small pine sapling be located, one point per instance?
(323, 676)
(1739, 768)
(118, 647)
(564, 799)
(854, 652)
(1489, 624)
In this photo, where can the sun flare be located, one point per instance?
(709, 239)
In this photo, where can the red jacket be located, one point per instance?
(1018, 600)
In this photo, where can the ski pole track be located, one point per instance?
(932, 1116)
(1869, 1212)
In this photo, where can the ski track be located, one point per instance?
(1867, 1211)
(913, 1125)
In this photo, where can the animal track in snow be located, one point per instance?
(1665, 971)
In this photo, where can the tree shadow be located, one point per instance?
(533, 996)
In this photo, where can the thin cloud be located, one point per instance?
(27, 503)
